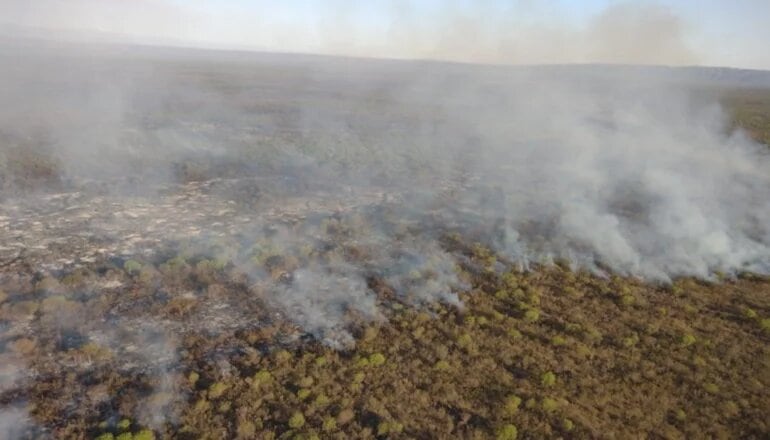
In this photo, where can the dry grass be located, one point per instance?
(680, 361)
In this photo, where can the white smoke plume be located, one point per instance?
(629, 169)
(624, 170)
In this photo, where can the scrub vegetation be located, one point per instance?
(293, 264)
(697, 367)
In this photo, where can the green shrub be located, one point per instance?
(549, 405)
(465, 340)
(283, 356)
(627, 300)
(144, 434)
(124, 424)
(385, 428)
(49, 284)
(261, 377)
(573, 292)
(305, 382)
(548, 379)
(246, 429)
(220, 263)
(132, 267)
(593, 335)
(532, 315)
(361, 362)
(329, 424)
(174, 264)
(531, 403)
(512, 404)
(507, 432)
(730, 409)
(321, 401)
(631, 341)
(297, 420)
(442, 365)
(558, 341)
(377, 359)
(217, 389)
(510, 280)
(688, 340)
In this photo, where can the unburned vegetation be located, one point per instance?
(551, 352)
(751, 111)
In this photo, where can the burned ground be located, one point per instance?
(177, 333)
(299, 248)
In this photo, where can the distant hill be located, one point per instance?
(14, 38)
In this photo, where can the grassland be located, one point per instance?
(181, 342)
(539, 354)
(751, 112)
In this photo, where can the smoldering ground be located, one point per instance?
(206, 193)
(630, 170)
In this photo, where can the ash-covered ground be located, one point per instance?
(222, 245)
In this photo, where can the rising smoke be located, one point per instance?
(621, 170)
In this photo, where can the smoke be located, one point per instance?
(161, 19)
(626, 32)
(639, 33)
(319, 298)
(319, 192)
(631, 177)
(627, 169)
(151, 348)
(482, 32)
(14, 423)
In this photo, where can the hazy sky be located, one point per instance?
(707, 32)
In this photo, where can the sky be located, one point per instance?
(673, 32)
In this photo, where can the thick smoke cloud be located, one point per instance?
(633, 177)
(627, 169)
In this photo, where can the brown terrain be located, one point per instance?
(182, 312)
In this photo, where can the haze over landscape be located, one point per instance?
(404, 219)
(675, 32)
